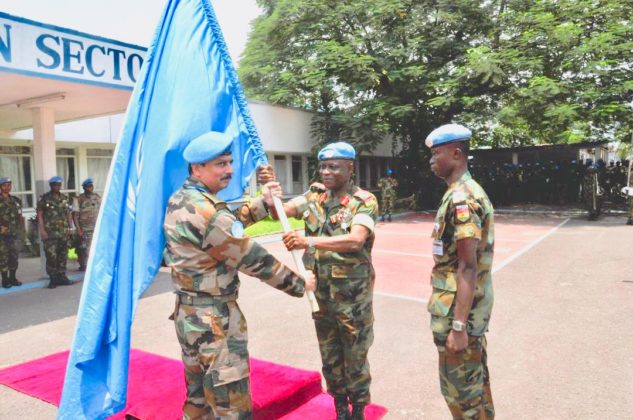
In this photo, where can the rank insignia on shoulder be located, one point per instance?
(237, 229)
(463, 214)
(459, 196)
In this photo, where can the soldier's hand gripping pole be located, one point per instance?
(296, 255)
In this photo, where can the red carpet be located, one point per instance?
(156, 388)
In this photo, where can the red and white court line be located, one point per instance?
(495, 268)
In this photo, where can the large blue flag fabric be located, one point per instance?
(187, 86)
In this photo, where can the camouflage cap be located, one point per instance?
(208, 146)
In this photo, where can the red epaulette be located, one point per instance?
(366, 196)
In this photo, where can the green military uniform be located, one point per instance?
(388, 189)
(592, 193)
(465, 212)
(87, 207)
(629, 199)
(55, 210)
(205, 249)
(10, 227)
(345, 284)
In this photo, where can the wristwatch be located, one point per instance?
(458, 326)
(311, 245)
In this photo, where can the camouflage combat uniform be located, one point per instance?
(345, 284)
(629, 200)
(205, 249)
(87, 208)
(10, 226)
(55, 210)
(388, 187)
(591, 192)
(465, 212)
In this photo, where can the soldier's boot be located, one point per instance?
(53, 281)
(62, 280)
(6, 283)
(13, 280)
(342, 408)
(358, 412)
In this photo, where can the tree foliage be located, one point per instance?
(517, 71)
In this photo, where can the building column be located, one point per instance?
(44, 153)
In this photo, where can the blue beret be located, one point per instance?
(87, 181)
(56, 179)
(388, 171)
(448, 133)
(5, 180)
(208, 146)
(340, 150)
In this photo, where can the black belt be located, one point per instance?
(184, 299)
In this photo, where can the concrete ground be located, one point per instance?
(560, 342)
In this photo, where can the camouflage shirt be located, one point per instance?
(87, 206)
(388, 187)
(10, 215)
(465, 212)
(205, 248)
(55, 209)
(326, 215)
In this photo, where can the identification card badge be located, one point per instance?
(438, 248)
(237, 229)
(306, 214)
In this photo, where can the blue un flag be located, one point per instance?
(188, 86)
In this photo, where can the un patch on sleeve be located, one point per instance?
(237, 229)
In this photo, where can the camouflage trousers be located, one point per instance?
(8, 253)
(83, 247)
(345, 333)
(213, 337)
(56, 251)
(464, 379)
(386, 204)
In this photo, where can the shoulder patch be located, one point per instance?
(365, 196)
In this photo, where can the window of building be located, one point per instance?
(297, 175)
(16, 163)
(279, 164)
(98, 165)
(66, 168)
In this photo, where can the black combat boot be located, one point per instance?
(6, 283)
(53, 281)
(358, 412)
(62, 280)
(342, 408)
(13, 280)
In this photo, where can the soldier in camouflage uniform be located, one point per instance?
(54, 221)
(11, 223)
(339, 222)
(205, 249)
(462, 296)
(591, 191)
(85, 211)
(388, 189)
(628, 192)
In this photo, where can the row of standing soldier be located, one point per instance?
(55, 216)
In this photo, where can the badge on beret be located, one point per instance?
(237, 229)
(463, 214)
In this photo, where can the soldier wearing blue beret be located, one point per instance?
(205, 248)
(11, 224)
(462, 297)
(54, 222)
(388, 192)
(340, 219)
(85, 212)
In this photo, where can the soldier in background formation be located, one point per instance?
(627, 192)
(205, 249)
(340, 219)
(11, 224)
(54, 222)
(388, 190)
(85, 211)
(592, 191)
